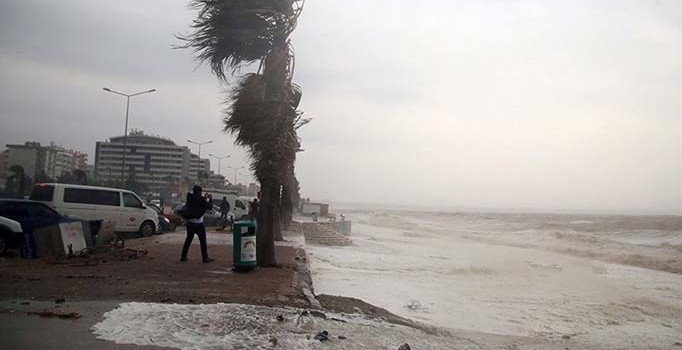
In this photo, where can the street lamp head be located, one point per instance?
(210, 141)
(106, 89)
(152, 90)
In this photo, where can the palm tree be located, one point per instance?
(262, 111)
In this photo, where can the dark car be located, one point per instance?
(211, 217)
(165, 224)
(31, 215)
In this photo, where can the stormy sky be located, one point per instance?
(551, 105)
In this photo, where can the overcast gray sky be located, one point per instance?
(498, 104)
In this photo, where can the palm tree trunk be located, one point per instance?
(267, 216)
(276, 223)
(286, 207)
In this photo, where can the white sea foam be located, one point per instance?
(526, 275)
(237, 326)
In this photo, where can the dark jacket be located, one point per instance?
(224, 206)
(196, 206)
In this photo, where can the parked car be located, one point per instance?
(212, 216)
(165, 224)
(123, 207)
(10, 234)
(29, 216)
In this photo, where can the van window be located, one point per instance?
(110, 198)
(77, 195)
(42, 193)
(87, 196)
(130, 201)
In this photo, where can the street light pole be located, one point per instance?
(199, 144)
(219, 159)
(235, 172)
(125, 130)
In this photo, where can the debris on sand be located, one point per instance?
(414, 305)
(273, 341)
(322, 336)
(52, 314)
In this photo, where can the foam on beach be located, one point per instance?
(238, 326)
(600, 279)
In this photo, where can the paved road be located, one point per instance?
(22, 331)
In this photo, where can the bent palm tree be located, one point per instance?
(231, 34)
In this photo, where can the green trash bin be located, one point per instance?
(244, 245)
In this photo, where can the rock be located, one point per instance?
(280, 318)
(338, 320)
(322, 336)
(165, 300)
(341, 337)
(59, 300)
(26, 303)
(318, 314)
(405, 347)
(69, 315)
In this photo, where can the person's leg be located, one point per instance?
(188, 240)
(201, 232)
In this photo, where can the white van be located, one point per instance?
(238, 207)
(123, 207)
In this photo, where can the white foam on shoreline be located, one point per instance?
(238, 326)
(484, 274)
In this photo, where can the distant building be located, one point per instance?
(50, 161)
(216, 180)
(153, 160)
(80, 161)
(3, 168)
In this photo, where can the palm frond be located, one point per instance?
(229, 34)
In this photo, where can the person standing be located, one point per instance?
(253, 212)
(224, 209)
(193, 212)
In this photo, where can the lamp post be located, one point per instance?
(236, 170)
(199, 144)
(219, 159)
(125, 131)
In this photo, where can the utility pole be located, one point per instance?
(199, 144)
(125, 130)
(219, 159)
(236, 170)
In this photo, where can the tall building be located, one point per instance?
(51, 160)
(151, 159)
